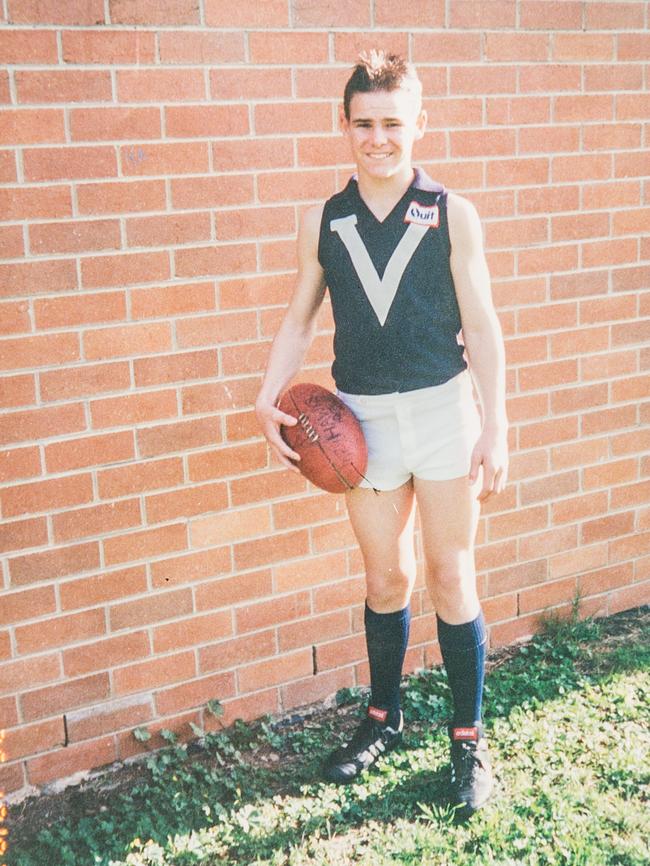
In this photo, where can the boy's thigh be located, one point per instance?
(449, 513)
(383, 524)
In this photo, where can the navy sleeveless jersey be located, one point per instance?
(393, 298)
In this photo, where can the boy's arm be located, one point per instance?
(483, 342)
(293, 337)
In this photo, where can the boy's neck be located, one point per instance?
(383, 192)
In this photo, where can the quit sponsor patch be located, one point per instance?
(423, 215)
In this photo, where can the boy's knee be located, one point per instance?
(450, 569)
(389, 591)
(451, 579)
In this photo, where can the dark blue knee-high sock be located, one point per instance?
(387, 637)
(463, 649)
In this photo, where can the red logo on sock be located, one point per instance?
(465, 733)
(377, 714)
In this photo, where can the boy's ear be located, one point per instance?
(343, 121)
(421, 123)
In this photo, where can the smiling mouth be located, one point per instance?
(379, 155)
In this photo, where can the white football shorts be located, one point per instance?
(428, 433)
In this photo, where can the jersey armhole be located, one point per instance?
(320, 235)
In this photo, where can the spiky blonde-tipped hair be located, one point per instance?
(377, 70)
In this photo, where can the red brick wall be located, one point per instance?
(155, 157)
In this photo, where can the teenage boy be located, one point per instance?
(404, 264)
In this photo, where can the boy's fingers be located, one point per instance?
(283, 418)
(494, 482)
(489, 476)
(271, 419)
(286, 463)
(284, 452)
(286, 457)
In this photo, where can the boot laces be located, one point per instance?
(467, 762)
(367, 736)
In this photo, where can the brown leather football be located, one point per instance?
(328, 437)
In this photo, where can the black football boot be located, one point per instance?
(471, 772)
(372, 739)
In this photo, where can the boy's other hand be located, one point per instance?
(490, 453)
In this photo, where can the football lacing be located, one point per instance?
(312, 435)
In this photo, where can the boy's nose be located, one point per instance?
(378, 135)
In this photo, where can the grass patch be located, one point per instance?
(567, 717)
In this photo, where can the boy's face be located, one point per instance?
(382, 128)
